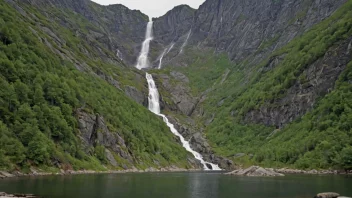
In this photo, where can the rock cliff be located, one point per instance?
(242, 29)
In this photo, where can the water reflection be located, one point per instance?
(203, 185)
(177, 185)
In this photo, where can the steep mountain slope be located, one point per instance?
(62, 98)
(261, 100)
(259, 82)
(242, 29)
(119, 29)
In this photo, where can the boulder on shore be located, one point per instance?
(4, 195)
(329, 195)
(256, 171)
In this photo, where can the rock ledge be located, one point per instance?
(256, 171)
(4, 195)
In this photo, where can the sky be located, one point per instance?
(152, 8)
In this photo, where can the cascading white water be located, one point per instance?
(166, 51)
(186, 41)
(153, 97)
(161, 58)
(154, 106)
(143, 61)
(172, 46)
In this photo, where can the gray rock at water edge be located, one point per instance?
(4, 195)
(4, 174)
(256, 171)
(327, 195)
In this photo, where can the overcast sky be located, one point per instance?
(153, 8)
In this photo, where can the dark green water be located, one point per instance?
(177, 185)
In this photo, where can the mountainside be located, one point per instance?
(247, 82)
(119, 29)
(242, 29)
(66, 99)
(254, 110)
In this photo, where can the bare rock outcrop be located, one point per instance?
(4, 195)
(256, 171)
(95, 132)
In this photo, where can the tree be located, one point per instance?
(346, 158)
(39, 149)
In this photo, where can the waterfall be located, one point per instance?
(172, 46)
(142, 61)
(161, 58)
(153, 97)
(154, 105)
(166, 51)
(186, 41)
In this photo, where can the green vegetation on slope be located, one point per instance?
(39, 94)
(320, 139)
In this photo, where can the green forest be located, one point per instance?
(45, 81)
(40, 93)
(321, 139)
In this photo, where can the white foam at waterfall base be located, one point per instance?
(143, 61)
(153, 99)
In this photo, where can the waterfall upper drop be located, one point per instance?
(143, 61)
(153, 98)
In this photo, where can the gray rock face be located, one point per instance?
(4, 195)
(95, 132)
(241, 28)
(317, 80)
(256, 171)
(180, 95)
(136, 95)
(119, 29)
(327, 195)
(200, 144)
(174, 24)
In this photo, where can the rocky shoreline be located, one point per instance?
(257, 171)
(251, 171)
(311, 172)
(35, 172)
(329, 195)
(4, 195)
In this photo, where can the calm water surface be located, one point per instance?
(177, 185)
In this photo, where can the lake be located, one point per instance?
(177, 185)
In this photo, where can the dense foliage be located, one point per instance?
(320, 139)
(40, 92)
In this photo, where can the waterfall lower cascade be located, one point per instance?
(154, 98)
